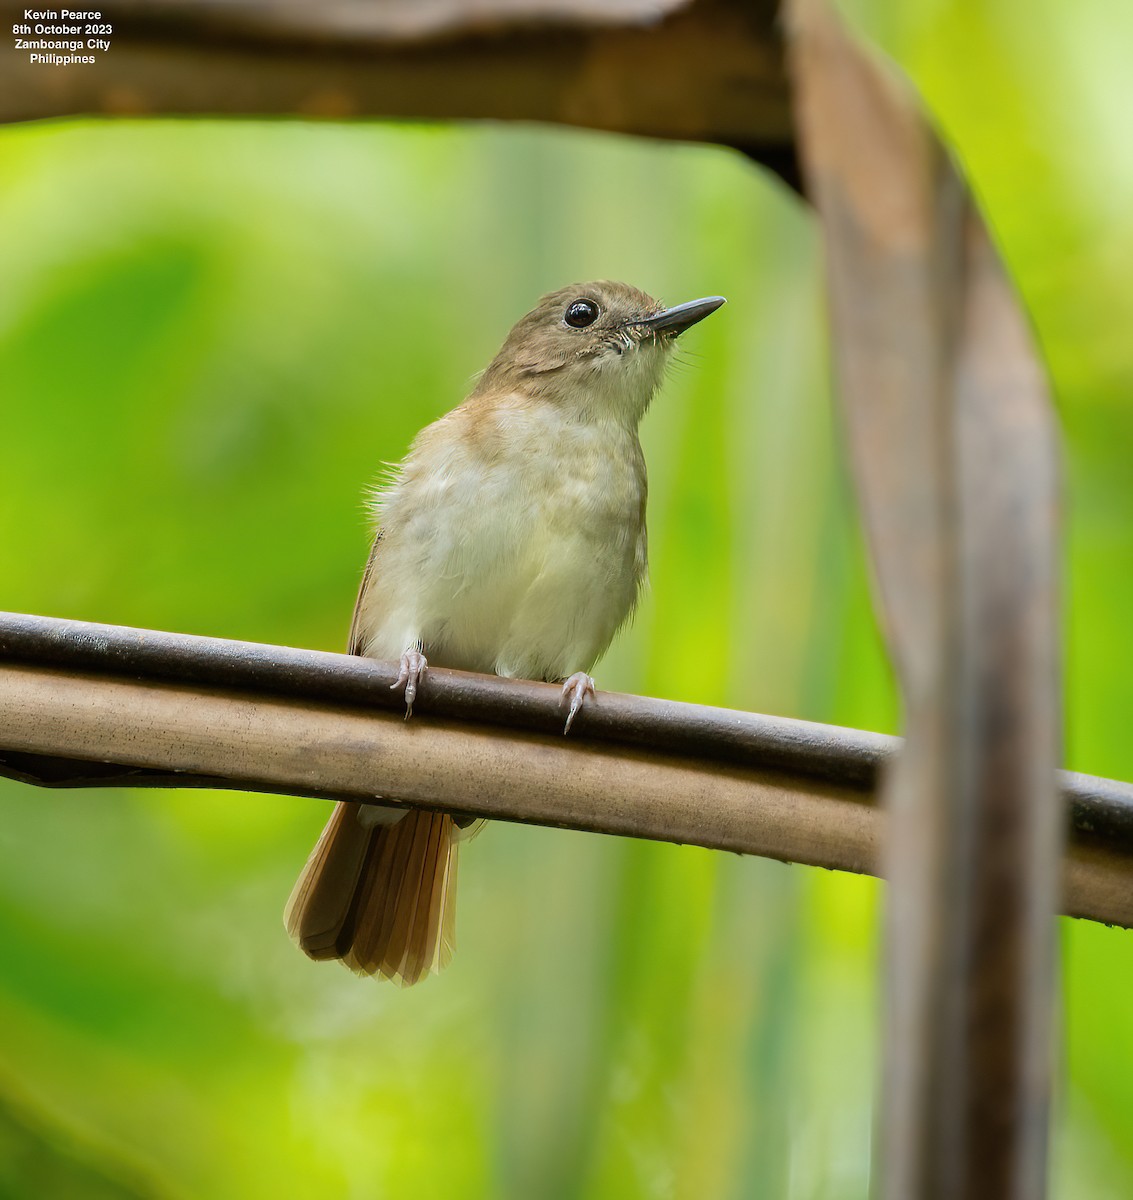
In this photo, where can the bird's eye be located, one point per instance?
(581, 313)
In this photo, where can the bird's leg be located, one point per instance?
(412, 669)
(577, 687)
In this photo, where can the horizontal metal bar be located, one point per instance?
(100, 705)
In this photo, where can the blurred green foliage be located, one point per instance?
(211, 337)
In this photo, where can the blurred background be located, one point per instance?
(212, 335)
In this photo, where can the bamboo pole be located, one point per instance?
(954, 450)
(98, 705)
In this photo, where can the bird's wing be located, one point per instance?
(354, 643)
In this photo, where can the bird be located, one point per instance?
(510, 540)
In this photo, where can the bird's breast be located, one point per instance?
(512, 543)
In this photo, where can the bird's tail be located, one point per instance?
(381, 897)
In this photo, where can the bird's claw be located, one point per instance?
(577, 688)
(410, 673)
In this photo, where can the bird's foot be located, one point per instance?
(412, 670)
(576, 688)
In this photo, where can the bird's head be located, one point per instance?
(599, 348)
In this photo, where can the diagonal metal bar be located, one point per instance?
(954, 453)
(85, 705)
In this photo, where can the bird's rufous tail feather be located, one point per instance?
(380, 897)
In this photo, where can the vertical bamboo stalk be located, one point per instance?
(954, 455)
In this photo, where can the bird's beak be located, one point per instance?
(679, 318)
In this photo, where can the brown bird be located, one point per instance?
(510, 539)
